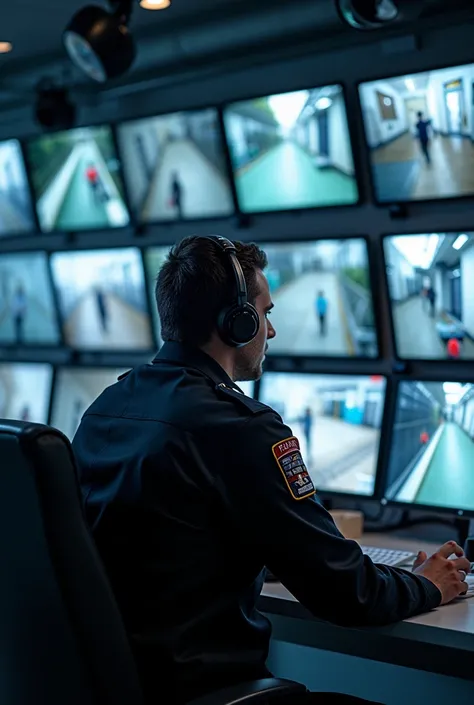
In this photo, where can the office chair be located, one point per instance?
(61, 635)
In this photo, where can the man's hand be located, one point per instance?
(448, 574)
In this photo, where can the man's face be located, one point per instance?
(249, 359)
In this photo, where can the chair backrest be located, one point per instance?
(61, 635)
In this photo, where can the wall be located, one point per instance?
(467, 289)
(380, 131)
(340, 150)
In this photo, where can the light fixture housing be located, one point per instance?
(155, 4)
(99, 42)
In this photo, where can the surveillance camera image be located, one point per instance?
(74, 391)
(292, 151)
(420, 132)
(16, 212)
(102, 299)
(27, 310)
(431, 286)
(175, 167)
(323, 409)
(323, 298)
(248, 388)
(25, 391)
(432, 447)
(76, 179)
(154, 259)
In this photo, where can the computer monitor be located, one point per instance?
(337, 419)
(175, 167)
(248, 388)
(76, 179)
(431, 456)
(25, 391)
(29, 315)
(74, 391)
(292, 151)
(16, 210)
(154, 259)
(102, 299)
(431, 287)
(323, 298)
(419, 129)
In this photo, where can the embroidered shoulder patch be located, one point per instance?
(290, 461)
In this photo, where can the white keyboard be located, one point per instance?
(389, 556)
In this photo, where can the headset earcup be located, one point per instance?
(238, 325)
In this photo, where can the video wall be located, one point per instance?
(361, 434)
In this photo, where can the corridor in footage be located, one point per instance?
(123, 327)
(296, 322)
(14, 217)
(400, 169)
(204, 190)
(418, 334)
(447, 463)
(286, 177)
(334, 465)
(80, 205)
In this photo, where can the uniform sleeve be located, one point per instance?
(272, 500)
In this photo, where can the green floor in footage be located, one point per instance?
(80, 208)
(449, 480)
(286, 178)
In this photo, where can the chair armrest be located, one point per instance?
(252, 692)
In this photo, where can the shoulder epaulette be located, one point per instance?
(253, 406)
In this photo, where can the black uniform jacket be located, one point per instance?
(191, 488)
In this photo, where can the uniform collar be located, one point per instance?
(190, 356)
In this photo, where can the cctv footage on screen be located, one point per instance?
(420, 130)
(323, 409)
(323, 300)
(431, 287)
(76, 179)
(25, 391)
(291, 151)
(432, 447)
(102, 299)
(16, 211)
(175, 167)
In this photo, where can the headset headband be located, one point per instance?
(229, 248)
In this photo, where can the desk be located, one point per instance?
(440, 642)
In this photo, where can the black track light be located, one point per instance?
(99, 41)
(372, 14)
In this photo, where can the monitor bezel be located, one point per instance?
(27, 141)
(390, 204)
(225, 106)
(137, 221)
(392, 409)
(379, 476)
(56, 312)
(110, 352)
(386, 285)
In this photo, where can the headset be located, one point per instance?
(237, 324)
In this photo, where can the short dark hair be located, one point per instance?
(196, 282)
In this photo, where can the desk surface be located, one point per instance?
(446, 634)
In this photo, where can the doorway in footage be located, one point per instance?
(432, 448)
(323, 298)
(292, 150)
(102, 299)
(431, 286)
(420, 133)
(322, 409)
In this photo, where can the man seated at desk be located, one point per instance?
(191, 488)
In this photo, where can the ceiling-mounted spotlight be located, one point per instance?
(53, 108)
(99, 42)
(375, 14)
(155, 4)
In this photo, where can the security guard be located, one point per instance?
(191, 488)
